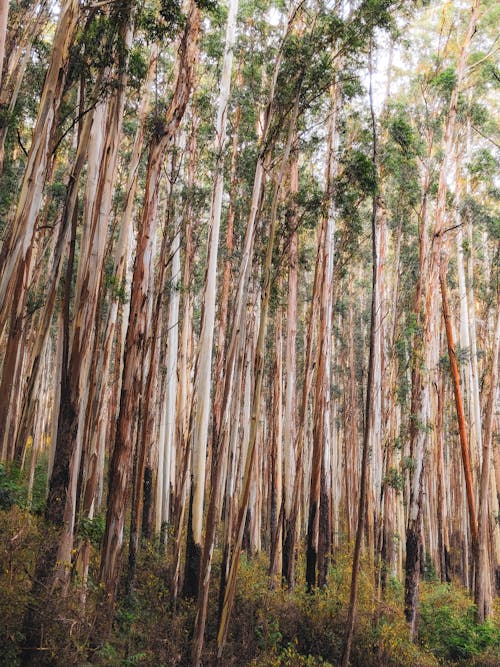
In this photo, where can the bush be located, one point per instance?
(12, 491)
(297, 629)
(19, 544)
(448, 626)
(269, 627)
(92, 529)
(14, 486)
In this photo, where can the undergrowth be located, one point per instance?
(269, 627)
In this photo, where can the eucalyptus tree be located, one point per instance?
(20, 236)
(25, 28)
(420, 387)
(201, 394)
(53, 566)
(373, 360)
(319, 528)
(98, 402)
(483, 585)
(101, 173)
(240, 298)
(121, 462)
(157, 245)
(312, 79)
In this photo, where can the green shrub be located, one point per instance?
(448, 626)
(92, 529)
(12, 491)
(269, 627)
(14, 486)
(19, 544)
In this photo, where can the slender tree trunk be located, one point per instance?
(181, 462)
(290, 408)
(226, 278)
(68, 215)
(369, 407)
(320, 439)
(420, 388)
(321, 293)
(120, 468)
(319, 525)
(257, 390)
(201, 393)
(144, 422)
(16, 246)
(46, 559)
(97, 406)
(149, 383)
(121, 461)
(167, 441)
(482, 594)
(221, 441)
(292, 527)
(276, 482)
(390, 499)
(442, 528)
(351, 430)
(69, 446)
(462, 429)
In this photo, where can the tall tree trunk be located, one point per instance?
(221, 440)
(98, 408)
(145, 427)
(121, 462)
(167, 441)
(442, 527)
(181, 462)
(482, 591)
(369, 403)
(420, 385)
(462, 427)
(226, 278)
(152, 334)
(320, 435)
(257, 390)
(290, 408)
(276, 482)
(68, 454)
(319, 524)
(389, 499)
(202, 384)
(32, 629)
(68, 217)
(15, 247)
(291, 527)
(351, 430)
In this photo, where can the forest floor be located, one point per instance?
(269, 627)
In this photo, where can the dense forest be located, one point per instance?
(249, 333)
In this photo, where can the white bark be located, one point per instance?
(171, 389)
(202, 383)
